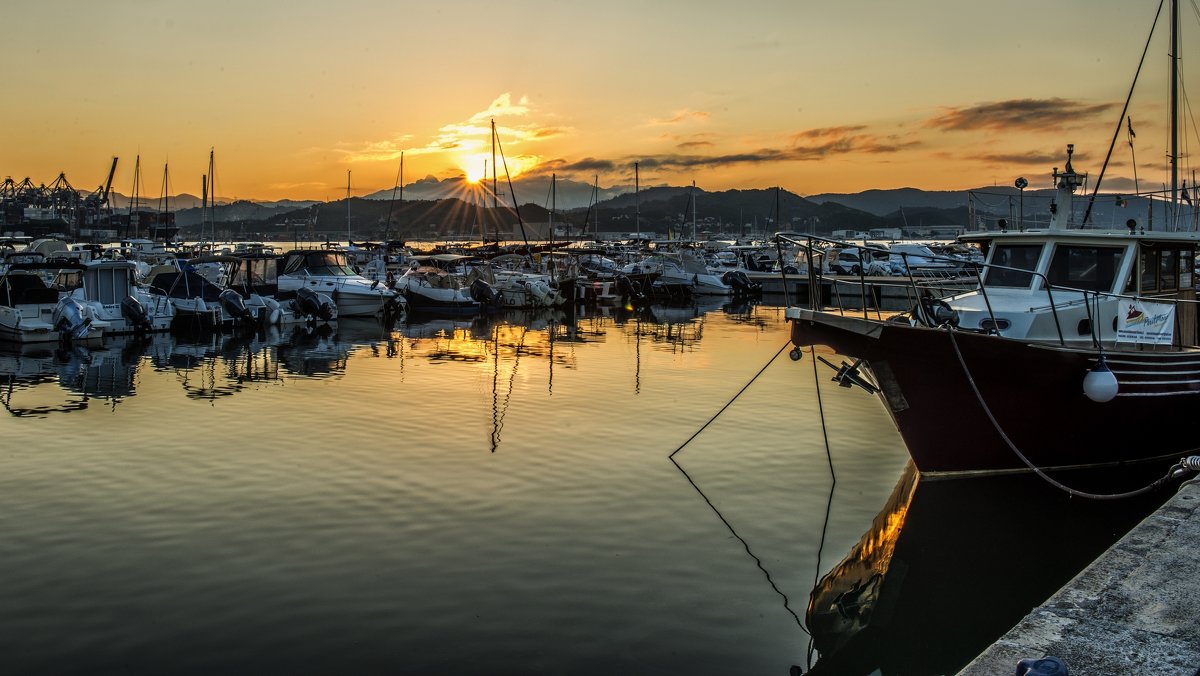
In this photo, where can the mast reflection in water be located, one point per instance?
(949, 566)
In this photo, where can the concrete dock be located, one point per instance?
(1135, 610)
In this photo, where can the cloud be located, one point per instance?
(586, 164)
(808, 145)
(1017, 114)
(680, 117)
(1032, 158)
(472, 135)
(503, 106)
(295, 186)
(375, 151)
(827, 132)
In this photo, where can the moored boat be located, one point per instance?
(32, 311)
(1074, 345)
(326, 271)
(110, 293)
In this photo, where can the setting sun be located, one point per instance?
(475, 167)
(478, 166)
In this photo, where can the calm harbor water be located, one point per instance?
(471, 497)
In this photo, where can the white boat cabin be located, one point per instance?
(1065, 285)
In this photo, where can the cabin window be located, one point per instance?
(1162, 270)
(1147, 270)
(1090, 268)
(1019, 257)
(1167, 273)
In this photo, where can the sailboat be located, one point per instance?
(1077, 347)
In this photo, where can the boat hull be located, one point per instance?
(1033, 392)
(353, 299)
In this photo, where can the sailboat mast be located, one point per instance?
(348, 238)
(164, 204)
(495, 189)
(133, 203)
(1174, 111)
(387, 226)
(212, 200)
(203, 203)
(694, 238)
(596, 200)
(637, 214)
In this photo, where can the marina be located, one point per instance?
(771, 357)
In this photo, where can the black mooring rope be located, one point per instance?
(745, 545)
(730, 402)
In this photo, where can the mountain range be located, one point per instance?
(440, 207)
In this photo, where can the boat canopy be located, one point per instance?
(326, 262)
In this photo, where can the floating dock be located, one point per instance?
(1135, 610)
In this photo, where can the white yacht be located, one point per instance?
(326, 271)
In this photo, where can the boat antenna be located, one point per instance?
(1087, 214)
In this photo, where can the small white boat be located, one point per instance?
(434, 290)
(325, 271)
(685, 269)
(33, 312)
(255, 276)
(109, 293)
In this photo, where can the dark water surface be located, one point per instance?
(439, 497)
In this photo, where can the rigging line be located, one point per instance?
(1124, 111)
(1158, 483)
(730, 402)
(832, 485)
(745, 545)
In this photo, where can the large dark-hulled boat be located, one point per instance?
(1077, 347)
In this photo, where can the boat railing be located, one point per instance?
(921, 293)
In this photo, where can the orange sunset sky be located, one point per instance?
(813, 96)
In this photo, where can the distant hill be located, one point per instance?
(569, 194)
(884, 202)
(437, 208)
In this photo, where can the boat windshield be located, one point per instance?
(1091, 268)
(320, 263)
(1013, 258)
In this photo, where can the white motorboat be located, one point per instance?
(33, 312)
(434, 290)
(109, 293)
(325, 271)
(255, 276)
(685, 269)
